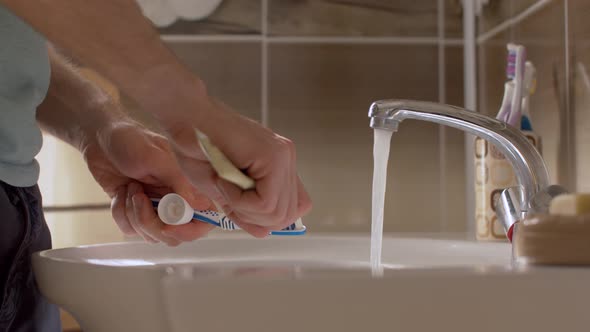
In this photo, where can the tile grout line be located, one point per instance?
(512, 27)
(442, 153)
(365, 40)
(311, 39)
(569, 115)
(264, 64)
(210, 38)
(470, 103)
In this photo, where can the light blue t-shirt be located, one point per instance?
(24, 80)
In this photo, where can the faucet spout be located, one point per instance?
(529, 167)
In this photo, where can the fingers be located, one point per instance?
(188, 232)
(118, 211)
(280, 217)
(184, 140)
(200, 174)
(134, 213)
(249, 201)
(139, 155)
(304, 204)
(148, 221)
(254, 230)
(181, 186)
(291, 214)
(139, 222)
(248, 225)
(279, 198)
(169, 172)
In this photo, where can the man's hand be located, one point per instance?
(279, 198)
(128, 161)
(113, 38)
(132, 164)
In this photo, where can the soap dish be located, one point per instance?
(553, 240)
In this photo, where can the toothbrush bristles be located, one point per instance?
(511, 63)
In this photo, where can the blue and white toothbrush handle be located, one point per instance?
(174, 210)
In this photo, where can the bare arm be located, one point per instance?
(74, 107)
(116, 40)
(120, 153)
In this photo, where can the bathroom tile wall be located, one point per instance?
(231, 70)
(322, 106)
(319, 93)
(231, 17)
(543, 35)
(320, 85)
(556, 37)
(403, 18)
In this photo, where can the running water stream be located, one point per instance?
(380, 158)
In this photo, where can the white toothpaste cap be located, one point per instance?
(174, 210)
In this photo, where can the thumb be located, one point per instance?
(181, 185)
(199, 174)
(184, 141)
(196, 199)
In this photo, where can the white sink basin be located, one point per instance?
(294, 284)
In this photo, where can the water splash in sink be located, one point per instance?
(380, 157)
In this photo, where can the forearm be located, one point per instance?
(116, 40)
(75, 108)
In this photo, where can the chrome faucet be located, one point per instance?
(533, 194)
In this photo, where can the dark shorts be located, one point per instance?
(23, 231)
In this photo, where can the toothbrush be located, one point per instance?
(175, 210)
(515, 71)
(223, 166)
(529, 85)
(504, 113)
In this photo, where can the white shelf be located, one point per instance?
(210, 38)
(363, 40)
(312, 39)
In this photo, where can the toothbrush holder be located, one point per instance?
(493, 173)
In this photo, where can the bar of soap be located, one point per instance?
(570, 205)
(553, 240)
